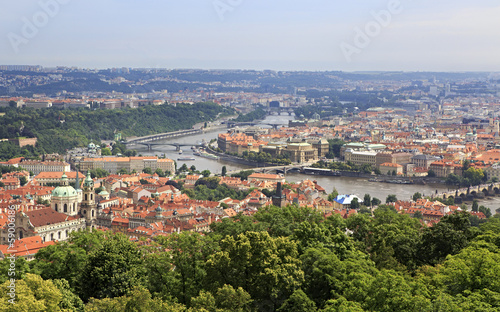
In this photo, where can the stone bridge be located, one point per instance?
(273, 169)
(469, 193)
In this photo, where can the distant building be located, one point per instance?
(37, 166)
(301, 152)
(115, 164)
(423, 160)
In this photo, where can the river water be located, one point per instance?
(344, 185)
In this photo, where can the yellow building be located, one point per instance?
(301, 152)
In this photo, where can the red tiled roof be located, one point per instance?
(46, 216)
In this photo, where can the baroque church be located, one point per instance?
(71, 210)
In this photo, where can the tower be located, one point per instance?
(88, 207)
(279, 198)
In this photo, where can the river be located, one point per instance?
(344, 185)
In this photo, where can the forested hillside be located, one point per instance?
(58, 130)
(290, 259)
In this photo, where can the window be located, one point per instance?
(65, 208)
(86, 197)
(55, 207)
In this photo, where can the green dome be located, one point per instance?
(64, 191)
(88, 182)
(103, 193)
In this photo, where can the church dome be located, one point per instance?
(64, 190)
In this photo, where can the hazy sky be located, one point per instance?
(409, 35)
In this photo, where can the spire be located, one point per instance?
(88, 180)
(77, 181)
(64, 179)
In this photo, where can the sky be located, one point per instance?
(315, 35)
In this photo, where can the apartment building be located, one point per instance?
(115, 164)
(37, 166)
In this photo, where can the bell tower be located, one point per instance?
(88, 207)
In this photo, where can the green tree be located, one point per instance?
(137, 300)
(23, 180)
(243, 174)
(206, 173)
(475, 206)
(418, 215)
(391, 199)
(147, 170)
(98, 173)
(106, 152)
(431, 173)
(486, 211)
(122, 171)
(298, 302)
(475, 176)
(192, 168)
(333, 195)
(70, 301)
(113, 269)
(375, 201)
(416, 196)
(32, 294)
(160, 172)
(367, 199)
(188, 254)
(448, 237)
(267, 268)
(392, 291)
(183, 168)
(224, 171)
(354, 203)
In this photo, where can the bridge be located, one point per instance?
(279, 110)
(272, 169)
(469, 193)
(232, 124)
(176, 145)
(147, 140)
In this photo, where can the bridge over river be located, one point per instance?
(149, 140)
(472, 192)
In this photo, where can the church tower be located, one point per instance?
(279, 198)
(88, 207)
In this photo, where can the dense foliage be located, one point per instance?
(280, 259)
(58, 130)
(365, 168)
(257, 114)
(208, 188)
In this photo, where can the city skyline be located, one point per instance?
(393, 35)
